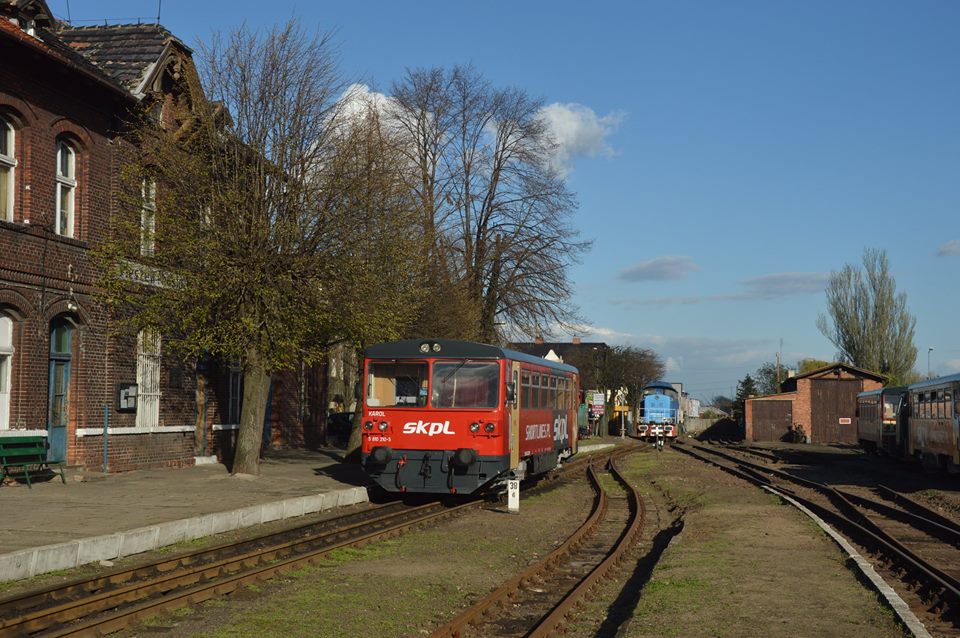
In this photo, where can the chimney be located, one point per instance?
(576, 341)
(538, 340)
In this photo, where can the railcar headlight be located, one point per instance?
(436, 347)
(368, 425)
(383, 426)
(424, 347)
(489, 428)
(474, 427)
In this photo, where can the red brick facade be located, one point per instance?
(50, 93)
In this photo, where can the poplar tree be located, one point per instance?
(868, 321)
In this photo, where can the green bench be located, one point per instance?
(21, 454)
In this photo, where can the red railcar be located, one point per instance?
(445, 416)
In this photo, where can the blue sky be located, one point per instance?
(726, 155)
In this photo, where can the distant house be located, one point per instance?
(822, 403)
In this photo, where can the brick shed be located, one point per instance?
(823, 402)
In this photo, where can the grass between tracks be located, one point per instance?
(744, 565)
(403, 586)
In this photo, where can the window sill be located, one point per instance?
(117, 431)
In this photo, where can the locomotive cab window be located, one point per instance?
(397, 385)
(465, 384)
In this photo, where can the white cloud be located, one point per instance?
(765, 287)
(783, 284)
(952, 365)
(578, 131)
(952, 247)
(672, 364)
(659, 269)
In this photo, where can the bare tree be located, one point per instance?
(869, 322)
(261, 192)
(498, 214)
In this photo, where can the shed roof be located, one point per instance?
(833, 369)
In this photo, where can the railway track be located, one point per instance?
(116, 599)
(915, 546)
(536, 601)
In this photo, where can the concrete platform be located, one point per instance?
(100, 517)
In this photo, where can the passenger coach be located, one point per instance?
(934, 423)
(882, 420)
(445, 416)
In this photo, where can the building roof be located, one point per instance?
(127, 53)
(46, 40)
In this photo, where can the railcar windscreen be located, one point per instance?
(397, 385)
(465, 384)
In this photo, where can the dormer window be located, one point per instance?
(66, 188)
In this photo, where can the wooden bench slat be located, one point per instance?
(24, 452)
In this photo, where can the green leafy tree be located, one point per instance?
(868, 321)
(275, 214)
(809, 365)
(746, 388)
(767, 378)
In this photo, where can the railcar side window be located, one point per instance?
(465, 384)
(397, 385)
(552, 404)
(525, 383)
(535, 383)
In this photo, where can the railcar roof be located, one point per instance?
(898, 389)
(919, 385)
(454, 349)
(660, 384)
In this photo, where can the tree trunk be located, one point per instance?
(256, 389)
(200, 399)
(352, 455)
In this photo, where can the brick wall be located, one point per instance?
(46, 277)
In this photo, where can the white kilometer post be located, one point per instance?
(513, 496)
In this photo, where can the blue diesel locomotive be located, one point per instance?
(659, 411)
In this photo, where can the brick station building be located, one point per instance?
(65, 94)
(823, 402)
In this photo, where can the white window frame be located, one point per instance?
(148, 379)
(148, 217)
(6, 369)
(66, 184)
(8, 166)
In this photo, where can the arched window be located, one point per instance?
(148, 379)
(66, 188)
(6, 369)
(8, 164)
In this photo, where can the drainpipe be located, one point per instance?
(106, 426)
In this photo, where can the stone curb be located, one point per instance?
(38, 560)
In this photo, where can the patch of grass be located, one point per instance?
(256, 589)
(378, 549)
(183, 612)
(184, 546)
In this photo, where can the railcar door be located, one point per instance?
(515, 416)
